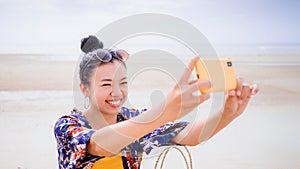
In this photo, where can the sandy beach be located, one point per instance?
(35, 92)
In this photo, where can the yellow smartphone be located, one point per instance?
(220, 72)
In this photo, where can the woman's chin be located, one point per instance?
(114, 109)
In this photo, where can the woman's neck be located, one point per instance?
(99, 120)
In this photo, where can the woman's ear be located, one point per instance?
(85, 90)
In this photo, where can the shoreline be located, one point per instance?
(20, 73)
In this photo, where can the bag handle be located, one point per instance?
(163, 154)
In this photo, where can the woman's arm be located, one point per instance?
(180, 101)
(235, 104)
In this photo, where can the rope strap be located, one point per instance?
(163, 154)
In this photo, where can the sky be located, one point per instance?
(56, 26)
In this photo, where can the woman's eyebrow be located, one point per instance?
(109, 80)
(124, 78)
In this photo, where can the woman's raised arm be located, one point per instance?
(180, 101)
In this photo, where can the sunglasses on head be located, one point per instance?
(106, 56)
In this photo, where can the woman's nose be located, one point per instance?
(116, 91)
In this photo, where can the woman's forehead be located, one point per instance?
(111, 70)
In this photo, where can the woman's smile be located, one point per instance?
(114, 103)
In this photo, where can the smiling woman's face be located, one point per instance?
(108, 87)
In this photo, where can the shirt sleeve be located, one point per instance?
(72, 139)
(162, 136)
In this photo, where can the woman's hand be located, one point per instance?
(238, 99)
(181, 100)
(235, 104)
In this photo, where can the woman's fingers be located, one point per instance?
(198, 99)
(238, 90)
(187, 73)
(254, 89)
(231, 92)
(239, 86)
(199, 85)
(245, 93)
(192, 82)
(203, 97)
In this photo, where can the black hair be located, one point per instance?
(90, 43)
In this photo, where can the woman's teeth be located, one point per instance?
(115, 103)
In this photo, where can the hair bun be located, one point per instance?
(90, 43)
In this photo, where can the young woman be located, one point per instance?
(107, 135)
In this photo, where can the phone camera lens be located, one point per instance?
(229, 64)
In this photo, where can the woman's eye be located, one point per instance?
(106, 84)
(124, 83)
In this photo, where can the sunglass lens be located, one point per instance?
(122, 54)
(104, 55)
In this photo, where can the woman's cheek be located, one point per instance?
(124, 89)
(99, 95)
(102, 94)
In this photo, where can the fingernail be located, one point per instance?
(232, 93)
(238, 93)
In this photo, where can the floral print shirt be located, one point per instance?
(73, 132)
